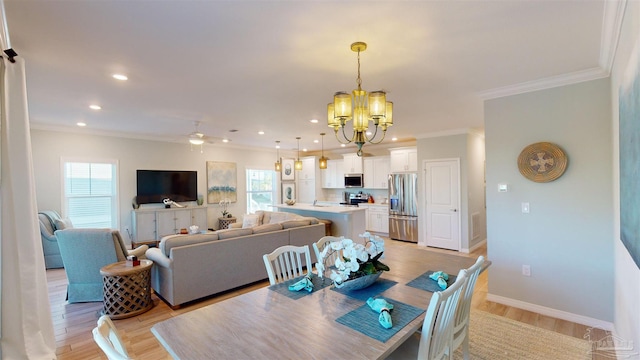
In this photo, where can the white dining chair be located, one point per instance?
(319, 246)
(461, 324)
(107, 337)
(435, 340)
(285, 263)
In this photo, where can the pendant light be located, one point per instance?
(323, 160)
(278, 162)
(298, 163)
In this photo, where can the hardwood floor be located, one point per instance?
(73, 322)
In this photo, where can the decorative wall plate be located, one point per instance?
(542, 162)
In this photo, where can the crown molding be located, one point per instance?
(545, 83)
(453, 132)
(611, 28)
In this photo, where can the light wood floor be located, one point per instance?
(73, 322)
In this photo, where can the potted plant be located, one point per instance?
(224, 204)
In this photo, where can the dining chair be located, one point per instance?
(319, 246)
(107, 337)
(461, 324)
(435, 340)
(285, 263)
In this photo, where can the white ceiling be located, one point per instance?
(274, 65)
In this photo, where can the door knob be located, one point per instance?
(454, 210)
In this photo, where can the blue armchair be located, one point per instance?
(52, 258)
(84, 252)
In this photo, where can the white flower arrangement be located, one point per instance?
(357, 259)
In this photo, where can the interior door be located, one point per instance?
(442, 187)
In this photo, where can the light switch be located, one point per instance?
(503, 187)
(525, 208)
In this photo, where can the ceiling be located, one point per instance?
(273, 66)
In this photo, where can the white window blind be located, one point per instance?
(90, 194)
(261, 190)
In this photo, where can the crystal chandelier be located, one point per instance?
(360, 108)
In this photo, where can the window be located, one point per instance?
(261, 190)
(90, 194)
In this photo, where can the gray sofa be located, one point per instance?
(190, 267)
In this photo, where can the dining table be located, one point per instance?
(274, 322)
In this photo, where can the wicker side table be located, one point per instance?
(126, 289)
(223, 223)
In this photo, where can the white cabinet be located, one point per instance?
(154, 223)
(404, 160)
(309, 181)
(333, 175)
(352, 164)
(377, 218)
(308, 168)
(376, 172)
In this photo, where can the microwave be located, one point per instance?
(353, 181)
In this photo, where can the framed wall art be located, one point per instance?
(287, 170)
(288, 191)
(221, 182)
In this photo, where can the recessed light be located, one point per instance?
(80, 123)
(394, 139)
(369, 133)
(120, 77)
(260, 132)
(95, 107)
(314, 121)
(316, 141)
(342, 145)
(225, 140)
(304, 150)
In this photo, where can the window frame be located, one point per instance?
(248, 192)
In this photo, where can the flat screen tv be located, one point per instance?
(153, 186)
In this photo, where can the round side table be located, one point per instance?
(126, 289)
(223, 223)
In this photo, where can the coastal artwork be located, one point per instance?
(221, 182)
(629, 108)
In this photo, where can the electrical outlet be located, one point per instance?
(526, 270)
(525, 207)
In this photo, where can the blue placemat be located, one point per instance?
(365, 320)
(423, 282)
(371, 291)
(283, 287)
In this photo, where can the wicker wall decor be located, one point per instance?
(542, 162)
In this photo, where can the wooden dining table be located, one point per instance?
(269, 325)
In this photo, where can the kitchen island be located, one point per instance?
(347, 221)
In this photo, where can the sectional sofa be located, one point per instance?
(190, 267)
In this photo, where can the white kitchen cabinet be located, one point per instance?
(333, 175)
(309, 181)
(403, 160)
(352, 164)
(377, 218)
(154, 223)
(376, 172)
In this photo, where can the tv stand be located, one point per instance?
(149, 225)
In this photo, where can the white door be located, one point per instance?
(442, 187)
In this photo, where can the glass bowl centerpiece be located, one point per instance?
(357, 265)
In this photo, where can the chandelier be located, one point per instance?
(322, 162)
(278, 164)
(298, 163)
(360, 108)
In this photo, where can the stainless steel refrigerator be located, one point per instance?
(403, 206)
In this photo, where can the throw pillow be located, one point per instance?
(62, 224)
(277, 217)
(249, 220)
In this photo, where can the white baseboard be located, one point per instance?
(479, 244)
(559, 314)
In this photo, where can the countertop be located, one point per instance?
(321, 208)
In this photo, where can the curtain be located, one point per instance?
(26, 325)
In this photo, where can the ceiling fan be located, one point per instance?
(196, 137)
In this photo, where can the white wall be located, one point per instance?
(566, 238)
(469, 148)
(627, 274)
(49, 147)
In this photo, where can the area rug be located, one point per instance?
(495, 337)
